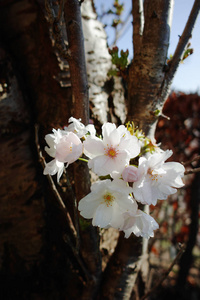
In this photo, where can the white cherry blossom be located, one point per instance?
(157, 179)
(79, 128)
(69, 148)
(53, 167)
(112, 203)
(64, 147)
(107, 202)
(112, 153)
(76, 127)
(141, 224)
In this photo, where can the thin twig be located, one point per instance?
(54, 189)
(191, 161)
(120, 32)
(75, 211)
(192, 171)
(66, 237)
(178, 256)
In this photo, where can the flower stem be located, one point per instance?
(83, 159)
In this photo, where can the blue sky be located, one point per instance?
(187, 78)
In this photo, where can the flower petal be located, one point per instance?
(93, 147)
(103, 216)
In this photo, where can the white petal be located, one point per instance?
(117, 219)
(93, 147)
(107, 128)
(126, 204)
(87, 210)
(166, 189)
(51, 151)
(113, 139)
(54, 167)
(119, 185)
(99, 165)
(131, 144)
(103, 216)
(157, 159)
(101, 185)
(91, 129)
(141, 225)
(76, 127)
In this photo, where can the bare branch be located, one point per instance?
(189, 162)
(54, 189)
(66, 236)
(138, 24)
(146, 71)
(183, 41)
(120, 32)
(178, 256)
(192, 171)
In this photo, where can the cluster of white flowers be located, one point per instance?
(113, 202)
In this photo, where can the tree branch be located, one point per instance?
(120, 32)
(183, 41)
(62, 206)
(53, 187)
(125, 264)
(178, 256)
(138, 24)
(89, 247)
(189, 162)
(146, 71)
(76, 60)
(192, 171)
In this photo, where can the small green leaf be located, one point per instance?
(157, 112)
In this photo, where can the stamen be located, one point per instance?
(111, 152)
(153, 177)
(108, 199)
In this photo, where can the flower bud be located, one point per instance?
(130, 174)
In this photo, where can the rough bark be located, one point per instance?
(76, 60)
(146, 72)
(37, 258)
(106, 94)
(22, 206)
(138, 25)
(121, 272)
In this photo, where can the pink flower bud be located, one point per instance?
(69, 148)
(130, 174)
